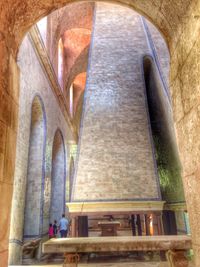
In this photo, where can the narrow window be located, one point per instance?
(60, 63)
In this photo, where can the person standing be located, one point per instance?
(55, 228)
(50, 232)
(63, 226)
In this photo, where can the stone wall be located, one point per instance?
(115, 151)
(33, 82)
(185, 73)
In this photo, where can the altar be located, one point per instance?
(109, 228)
(120, 218)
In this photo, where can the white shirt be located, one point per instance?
(63, 224)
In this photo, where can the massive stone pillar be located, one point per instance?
(116, 160)
(8, 131)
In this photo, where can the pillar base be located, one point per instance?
(71, 260)
(177, 258)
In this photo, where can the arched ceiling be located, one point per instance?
(18, 16)
(79, 66)
(79, 87)
(75, 42)
(73, 16)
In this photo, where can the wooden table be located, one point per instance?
(175, 246)
(109, 228)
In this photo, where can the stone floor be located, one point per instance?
(121, 264)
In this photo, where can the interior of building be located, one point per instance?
(99, 122)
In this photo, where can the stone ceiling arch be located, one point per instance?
(80, 65)
(73, 16)
(19, 16)
(70, 20)
(75, 42)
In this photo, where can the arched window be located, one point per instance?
(60, 62)
(71, 100)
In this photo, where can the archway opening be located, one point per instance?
(77, 97)
(58, 178)
(35, 174)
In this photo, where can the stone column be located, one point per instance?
(169, 222)
(159, 223)
(147, 224)
(9, 87)
(82, 226)
(133, 226)
(139, 226)
(73, 227)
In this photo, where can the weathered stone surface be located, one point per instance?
(121, 264)
(122, 243)
(6, 197)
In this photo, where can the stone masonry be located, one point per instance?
(116, 159)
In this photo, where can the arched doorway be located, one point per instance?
(58, 178)
(35, 172)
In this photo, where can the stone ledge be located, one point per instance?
(117, 243)
(122, 264)
(114, 207)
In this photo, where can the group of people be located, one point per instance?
(61, 228)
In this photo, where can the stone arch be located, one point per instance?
(76, 61)
(78, 84)
(79, 66)
(174, 20)
(58, 177)
(69, 19)
(156, 12)
(36, 171)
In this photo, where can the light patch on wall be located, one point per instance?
(42, 26)
(60, 63)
